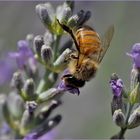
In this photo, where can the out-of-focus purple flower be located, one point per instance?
(6, 70)
(31, 136)
(65, 87)
(116, 86)
(135, 55)
(24, 55)
(5, 129)
(47, 136)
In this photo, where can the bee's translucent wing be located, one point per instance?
(106, 42)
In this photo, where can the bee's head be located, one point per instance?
(70, 80)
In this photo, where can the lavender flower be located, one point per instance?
(135, 55)
(116, 86)
(30, 136)
(63, 86)
(5, 129)
(24, 54)
(48, 136)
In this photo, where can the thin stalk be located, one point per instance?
(43, 85)
(122, 133)
(56, 45)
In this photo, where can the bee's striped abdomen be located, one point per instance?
(88, 40)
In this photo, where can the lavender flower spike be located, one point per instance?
(116, 86)
(24, 54)
(135, 55)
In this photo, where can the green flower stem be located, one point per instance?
(44, 83)
(56, 45)
(121, 133)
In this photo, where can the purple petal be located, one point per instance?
(13, 54)
(66, 72)
(24, 49)
(24, 55)
(135, 55)
(31, 136)
(116, 86)
(64, 87)
(5, 129)
(6, 70)
(22, 44)
(48, 136)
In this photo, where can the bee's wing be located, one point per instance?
(106, 42)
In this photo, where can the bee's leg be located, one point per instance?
(67, 29)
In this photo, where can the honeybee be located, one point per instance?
(85, 61)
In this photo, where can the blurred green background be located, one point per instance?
(89, 115)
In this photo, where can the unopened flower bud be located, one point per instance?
(15, 104)
(63, 13)
(53, 77)
(72, 21)
(46, 110)
(6, 113)
(46, 54)
(43, 128)
(119, 118)
(134, 119)
(78, 19)
(29, 37)
(38, 43)
(134, 78)
(48, 38)
(69, 4)
(7, 116)
(51, 11)
(117, 103)
(17, 80)
(43, 11)
(81, 14)
(27, 117)
(134, 96)
(61, 62)
(54, 121)
(28, 89)
(86, 16)
(49, 94)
